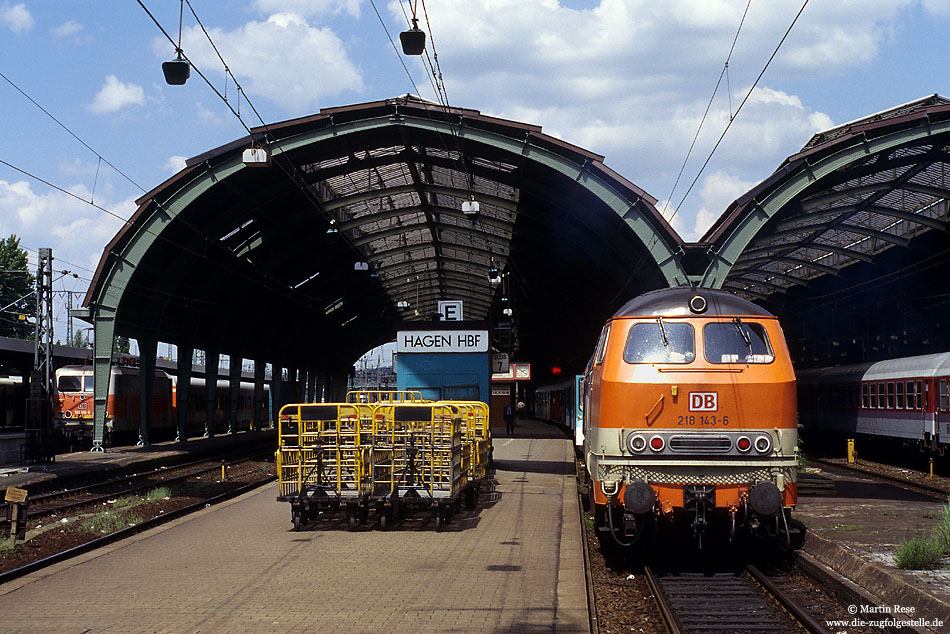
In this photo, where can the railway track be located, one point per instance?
(68, 500)
(727, 602)
(941, 492)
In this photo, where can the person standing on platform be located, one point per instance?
(510, 420)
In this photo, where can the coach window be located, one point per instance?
(737, 342)
(900, 394)
(944, 396)
(873, 402)
(925, 402)
(660, 341)
(864, 395)
(911, 396)
(890, 395)
(602, 344)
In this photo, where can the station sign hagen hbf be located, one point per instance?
(408, 341)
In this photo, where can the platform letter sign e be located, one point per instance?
(703, 401)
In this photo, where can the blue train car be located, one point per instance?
(562, 404)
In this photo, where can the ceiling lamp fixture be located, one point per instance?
(413, 40)
(178, 70)
(470, 207)
(256, 157)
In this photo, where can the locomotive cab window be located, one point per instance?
(660, 342)
(602, 345)
(737, 342)
(70, 384)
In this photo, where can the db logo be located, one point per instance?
(703, 401)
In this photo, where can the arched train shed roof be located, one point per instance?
(850, 194)
(357, 225)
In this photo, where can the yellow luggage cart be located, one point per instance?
(324, 460)
(383, 396)
(420, 461)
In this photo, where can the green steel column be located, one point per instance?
(104, 324)
(234, 390)
(183, 389)
(212, 358)
(275, 400)
(311, 386)
(259, 394)
(148, 351)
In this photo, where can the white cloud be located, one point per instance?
(115, 95)
(67, 29)
(938, 7)
(297, 78)
(718, 191)
(76, 231)
(631, 79)
(175, 164)
(16, 17)
(205, 115)
(310, 7)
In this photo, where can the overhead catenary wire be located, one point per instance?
(721, 137)
(279, 159)
(712, 97)
(739, 108)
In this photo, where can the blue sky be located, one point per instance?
(628, 79)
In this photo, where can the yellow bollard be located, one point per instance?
(850, 450)
(224, 473)
(931, 468)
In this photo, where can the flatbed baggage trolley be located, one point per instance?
(324, 460)
(418, 449)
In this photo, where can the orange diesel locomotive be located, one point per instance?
(690, 418)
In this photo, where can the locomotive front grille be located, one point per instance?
(704, 475)
(700, 444)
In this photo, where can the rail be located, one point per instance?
(734, 602)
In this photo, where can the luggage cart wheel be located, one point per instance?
(471, 498)
(297, 518)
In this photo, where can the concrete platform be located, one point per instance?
(514, 564)
(71, 467)
(856, 533)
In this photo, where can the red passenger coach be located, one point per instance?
(690, 419)
(906, 399)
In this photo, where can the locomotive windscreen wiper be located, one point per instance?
(666, 340)
(742, 333)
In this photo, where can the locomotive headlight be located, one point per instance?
(657, 443)
(763, 444)
(743, 444)
(636, 443)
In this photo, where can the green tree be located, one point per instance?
(17, 290)
(78, 340)
(122, 344)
